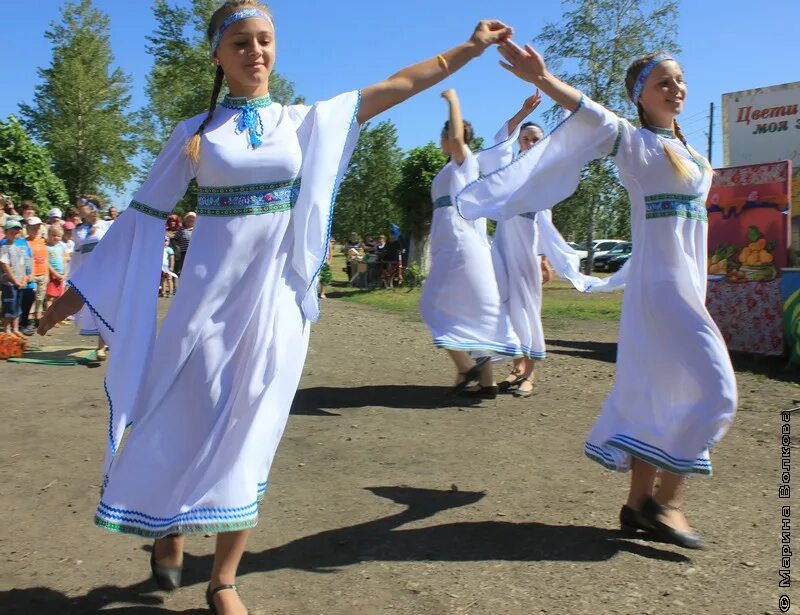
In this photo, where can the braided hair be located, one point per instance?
(677, 161)
(193, 145)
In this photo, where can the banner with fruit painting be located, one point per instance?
(749, 222)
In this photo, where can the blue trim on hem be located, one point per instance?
(91, 307)
(513, 351)
(581, 104)
(646, 452)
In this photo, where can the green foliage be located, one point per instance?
(80, 109)
(26, 169)
(180, 82)
(365, 204)
(412, 275)
(413, 195)
(599, 39)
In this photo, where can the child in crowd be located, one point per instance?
(57, 264)
(13, 276)
(167, 267)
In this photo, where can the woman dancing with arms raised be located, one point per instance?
(674, 394)
(208, 397)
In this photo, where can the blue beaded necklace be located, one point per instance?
(249, 119)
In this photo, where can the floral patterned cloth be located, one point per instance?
(749, 314)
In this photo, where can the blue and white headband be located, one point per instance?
(233, 18)
(91, 204)
(638, 86)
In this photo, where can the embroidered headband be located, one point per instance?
(638, 86)
(233, 18)
(90, 204)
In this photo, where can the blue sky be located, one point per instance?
(330, 47)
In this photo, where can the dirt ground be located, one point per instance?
(386, 497)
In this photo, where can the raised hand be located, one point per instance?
(530, 104)
(449, 94)
(490, 32)
(526, 63)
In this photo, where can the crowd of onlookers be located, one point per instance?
(34, 261)
(35, 255)
(374, 261)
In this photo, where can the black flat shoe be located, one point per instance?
(631, 521)
(528, 393)
(473, 374)
(683, 538)
(483, 392)
(168, 578)
(507, 386)
(210, 593)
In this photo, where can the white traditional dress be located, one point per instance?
(517, 250)
(85, 242)
(674, 394)
(208, 397)
(460, 302)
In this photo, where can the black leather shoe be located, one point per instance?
(470, 376)
(683, 538)
(168, 578)
(631, 521)
(506, 386)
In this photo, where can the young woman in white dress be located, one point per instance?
(207, 398)
(460, 302)
(674, 394)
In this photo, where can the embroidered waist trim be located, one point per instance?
(247, 200)
(150, 211)
(688, 206)
(442, 201)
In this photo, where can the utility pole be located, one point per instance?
(710, 131)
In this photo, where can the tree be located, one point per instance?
(80, 109)
(600, 38)
(417, 171)
(26, 169)
(180, 82)
(365, 204)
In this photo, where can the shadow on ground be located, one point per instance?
(318, 401)
(377, 540)
(597, 351)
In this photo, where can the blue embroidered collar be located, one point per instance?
(664, 132)
(240, 102)
(249, 119)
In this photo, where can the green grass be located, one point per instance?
(560, 299)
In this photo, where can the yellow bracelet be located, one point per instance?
(443, 63)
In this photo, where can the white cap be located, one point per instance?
(33, 221)
(54, 213)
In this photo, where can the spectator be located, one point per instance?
(381, 245)
(369, 245)
(353, 253)
(167, 268)
(57, 264)
(113, 214)
(54, 216)
(40, 270)
(182, 238)
(66, 239)
(27, 210)
(13, 275)
(73, 215)
(391, 256)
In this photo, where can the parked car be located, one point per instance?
(601, 263)
(616, 263)
(602, 247)
(580, 249)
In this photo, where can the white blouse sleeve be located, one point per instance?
(327, 132)
(549, 171)
(119, 280)
(562, 257)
